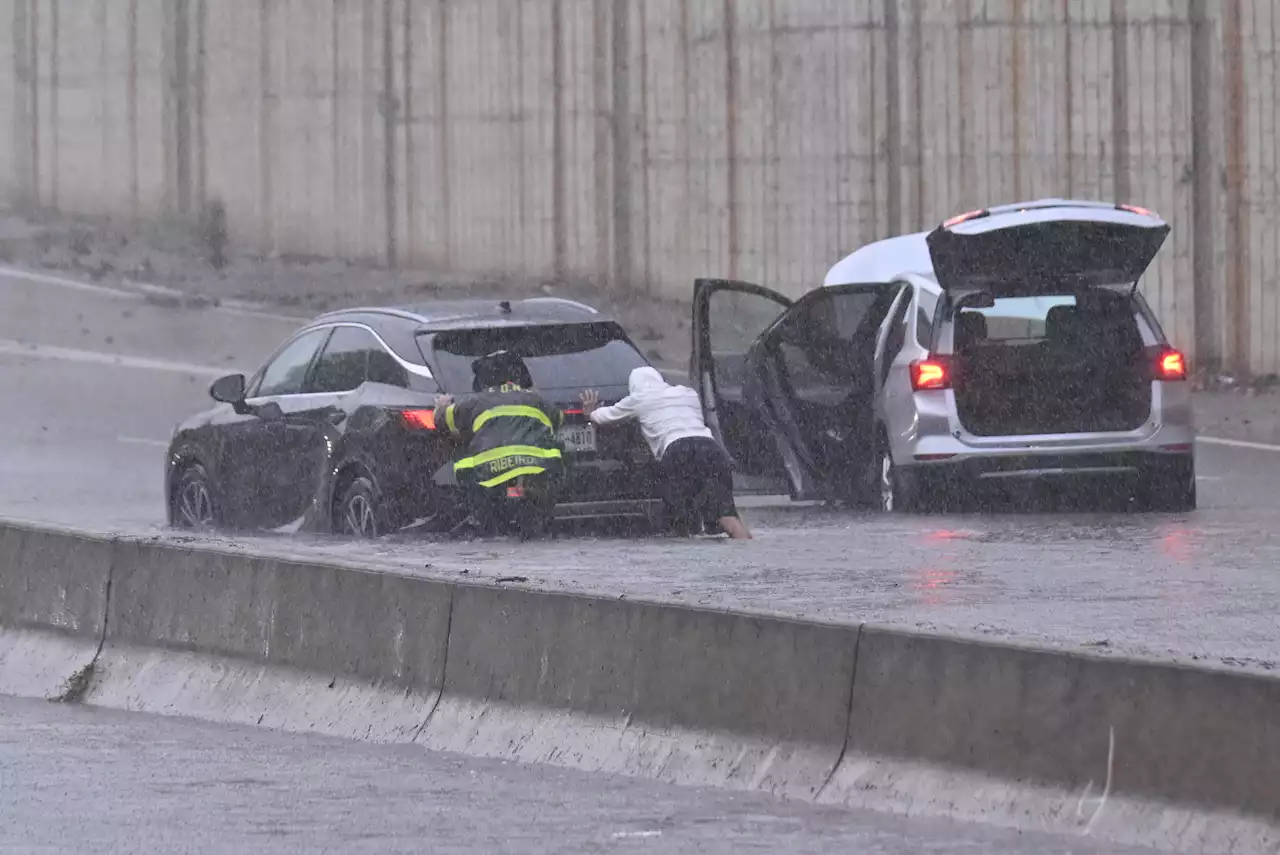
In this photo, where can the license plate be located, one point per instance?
(578, 437)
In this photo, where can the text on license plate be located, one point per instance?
(578, 437)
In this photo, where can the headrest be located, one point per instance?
(971, 328)
(1064, 323)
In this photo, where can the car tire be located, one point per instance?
(192, 499)
(1170, 488)
(359, 513)
(897, 491)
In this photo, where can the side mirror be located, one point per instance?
(228, 390)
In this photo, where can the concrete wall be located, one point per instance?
(649, 141)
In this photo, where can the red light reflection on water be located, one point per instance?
(933, 585)
(1177, 544)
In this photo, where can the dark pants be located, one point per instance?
(497, 513)
(697, 484)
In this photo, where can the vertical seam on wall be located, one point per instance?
(893, 120)
(389, 116)
(78, 684)
(559, 238)
(444, 666)
(1120, 99)
(55, 86)
(848, 718)
(731, 135)
(1068, 98)
(410, 145)
(106, 597)
(33, 70)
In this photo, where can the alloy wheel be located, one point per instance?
(359, 517)
(194, 505)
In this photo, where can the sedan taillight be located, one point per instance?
(419, 419)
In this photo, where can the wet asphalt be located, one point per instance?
(82, 444)
(75, 779)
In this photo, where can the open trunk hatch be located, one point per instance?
(1051, 365)
(1045, 249)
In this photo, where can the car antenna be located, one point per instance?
(505, 306)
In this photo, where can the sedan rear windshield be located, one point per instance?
(568, 356)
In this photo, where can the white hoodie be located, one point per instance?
(666, 413)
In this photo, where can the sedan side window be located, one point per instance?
(384, 369)
(344, 364)
(285, 374)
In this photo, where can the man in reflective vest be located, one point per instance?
(512, 466)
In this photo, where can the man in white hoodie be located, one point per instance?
(696, 471)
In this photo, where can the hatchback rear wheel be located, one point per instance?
(1169, 488)
(897, 491)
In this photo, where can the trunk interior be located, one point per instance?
(1079, 368)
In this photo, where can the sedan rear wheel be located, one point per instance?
(193, 499)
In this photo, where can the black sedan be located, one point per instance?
(336, 432)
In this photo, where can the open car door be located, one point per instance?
(819, 366)
(728, 320)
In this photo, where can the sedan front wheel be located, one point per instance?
(193, 499)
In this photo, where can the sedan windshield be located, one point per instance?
(569, 356)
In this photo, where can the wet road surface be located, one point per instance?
(81, 780)
(85, 443)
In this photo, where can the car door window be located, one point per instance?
(344, 364)
(287, 372)
(735, 320)
(384, 369)
(828, 342)
(897, 336)
(926, 305)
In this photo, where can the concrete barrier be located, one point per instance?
(254, 640)
(53, 601)
(1137, 751)
(666, 692)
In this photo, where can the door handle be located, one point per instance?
(337, 418)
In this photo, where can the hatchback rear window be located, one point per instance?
(1014, 321)
(569, 356)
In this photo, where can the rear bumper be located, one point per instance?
(646, 508)
(588, 489)
(1038, 467)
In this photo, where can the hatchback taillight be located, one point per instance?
(930, 374)
(1170, 365)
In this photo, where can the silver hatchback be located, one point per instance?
(1008, 347)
